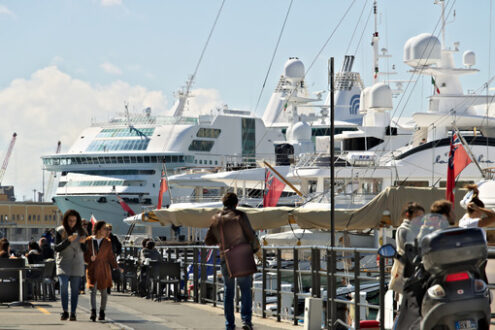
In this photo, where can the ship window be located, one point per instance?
(117, 145)
(139, 159)
(146, 159)
(125, 132)
(208, 133)
(248, 136)
(153, 159)
(199, 145)
(211, 163)
(201, 161)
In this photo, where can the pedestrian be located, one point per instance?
(476, 213)
(99, 256)
(117, 249)
(70, 239)
(405, 233)
(236, 230)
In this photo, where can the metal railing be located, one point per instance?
(288, 274)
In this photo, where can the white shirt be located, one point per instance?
(467, 222)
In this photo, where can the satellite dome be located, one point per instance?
(301, 131)
(294, 69)
(421, 50)
(380, 97)
(363, 104)
(469, 58)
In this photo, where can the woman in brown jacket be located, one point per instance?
(98, 256)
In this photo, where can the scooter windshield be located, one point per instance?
(422, 226)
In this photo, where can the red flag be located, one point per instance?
(458, 160)
(124, 205)
(93, 220)
(163, 189)
(274, 188)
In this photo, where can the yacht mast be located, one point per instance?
(374, 42)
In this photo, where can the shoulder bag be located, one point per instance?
(239, 258)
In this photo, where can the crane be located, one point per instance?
(49, 186)
(7, 157)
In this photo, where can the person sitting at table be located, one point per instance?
(34, 253)
(149, 252)
(4, 248)
(46, 250)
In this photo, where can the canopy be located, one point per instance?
(386, 205)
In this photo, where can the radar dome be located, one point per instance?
(469, 58)
(294, 69)
(421, 50)
(380, 97)
(301, 131)
(363, 103)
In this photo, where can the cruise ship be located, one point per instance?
(125, 156)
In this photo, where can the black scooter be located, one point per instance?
(446, 281)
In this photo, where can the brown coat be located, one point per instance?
(98, 271)
(236, 229)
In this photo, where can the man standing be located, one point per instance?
(236, 230)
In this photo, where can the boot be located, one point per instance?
(64, 316)
(93, 315)
(72, 317)
(102, 315)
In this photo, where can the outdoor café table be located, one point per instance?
(21, 271)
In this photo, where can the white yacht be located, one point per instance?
(385, 151)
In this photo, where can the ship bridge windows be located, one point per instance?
(125, 132)
(118, 145)
(56, 161)
(201, 145)
(208, 133)
(102, 183)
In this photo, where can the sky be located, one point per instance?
(64, 63)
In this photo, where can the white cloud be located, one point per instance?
(110, 68)
(6, 11)
(111, 2)
(52, 106)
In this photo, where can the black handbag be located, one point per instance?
(239, 258)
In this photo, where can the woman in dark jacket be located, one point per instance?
(70, 243)
(98, 256)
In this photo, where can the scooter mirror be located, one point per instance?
(387, 251)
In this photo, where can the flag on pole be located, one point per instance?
(163, 189)
(93, 220)
(435, 87)
(124, 205)
(274, 188)
(458, 160)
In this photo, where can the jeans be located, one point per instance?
(104, 297)
(74, 292)
(228, 299)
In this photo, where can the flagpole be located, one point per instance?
(473, 159)
(166, 178)
(332, 154)
(283, 179)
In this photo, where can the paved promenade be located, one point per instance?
(127, 312)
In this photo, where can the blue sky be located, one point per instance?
(65, 62)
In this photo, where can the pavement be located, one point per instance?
(127, 312)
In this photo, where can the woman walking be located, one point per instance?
(70, 244)
(98, 256)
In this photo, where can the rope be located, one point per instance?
(273, 55)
